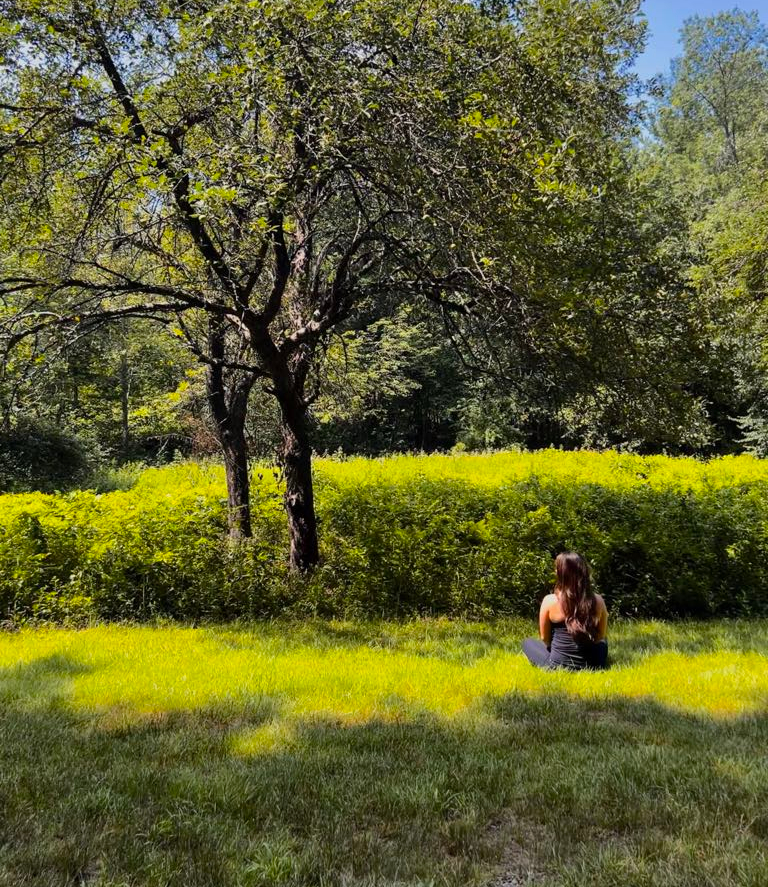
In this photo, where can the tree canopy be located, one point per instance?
(371, 225)
(252, 176)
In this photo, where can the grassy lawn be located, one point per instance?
(423, 753)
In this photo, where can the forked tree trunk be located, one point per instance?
(228, 402)
(299, 498)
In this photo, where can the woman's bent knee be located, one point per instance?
(536, 651)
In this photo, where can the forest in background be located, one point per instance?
(640, 325)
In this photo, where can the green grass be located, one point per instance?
(425, 753)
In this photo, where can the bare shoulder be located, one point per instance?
(600, 602)
(548, 601)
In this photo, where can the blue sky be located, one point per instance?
(664, 20)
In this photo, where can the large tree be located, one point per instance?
(250, 174)
(716, 91)
(707, 152)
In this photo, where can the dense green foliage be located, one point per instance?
(468, 175)
(629, 275)
(123, 393)
(707, 158)
(41, 458)
(260, 179)
(566, 283)
(470, 535)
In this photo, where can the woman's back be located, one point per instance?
(572, 620)
(566, 651)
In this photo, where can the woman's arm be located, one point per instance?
(602, 625)
(545, 626)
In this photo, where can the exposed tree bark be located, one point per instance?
(124, 402)
(235, 450)
(229, 407)
(288, 374)
(299, 498)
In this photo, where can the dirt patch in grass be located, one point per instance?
(520, 865)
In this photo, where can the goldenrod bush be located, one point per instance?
(467, 534)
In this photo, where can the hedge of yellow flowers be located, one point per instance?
(464, 534)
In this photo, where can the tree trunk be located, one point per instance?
(124, 402)
(228, 402)
(296, 458)
(235, 450)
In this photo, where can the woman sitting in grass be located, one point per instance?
(572, 621)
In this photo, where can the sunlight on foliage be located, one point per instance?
(461, 534)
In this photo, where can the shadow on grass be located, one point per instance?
(40, 682)
(608, 792)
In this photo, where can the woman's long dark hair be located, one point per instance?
(577, 599)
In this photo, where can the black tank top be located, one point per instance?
(566, 651)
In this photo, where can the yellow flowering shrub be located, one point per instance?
(458, 534)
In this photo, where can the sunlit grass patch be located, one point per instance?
(354, 670)
(380, 753)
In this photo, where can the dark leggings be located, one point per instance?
(539, 655)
